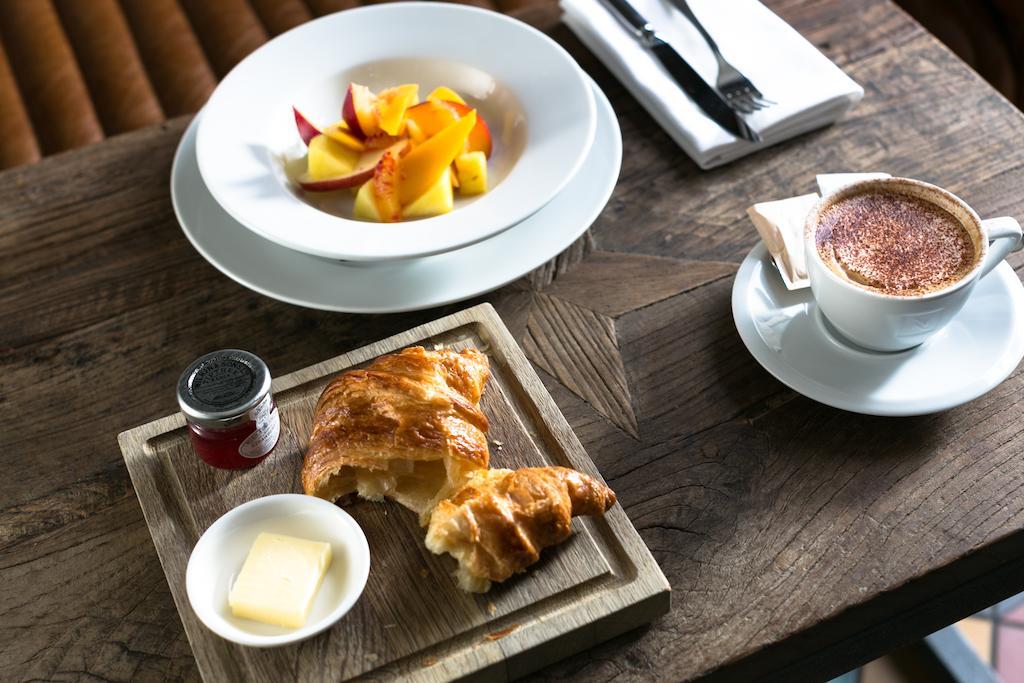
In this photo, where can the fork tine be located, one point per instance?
(741, 106)
(741, 102)
(738, 102)
(756, 99)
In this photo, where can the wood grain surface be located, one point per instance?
(412, 623)
(799, 540)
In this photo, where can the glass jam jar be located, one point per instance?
(232, 419)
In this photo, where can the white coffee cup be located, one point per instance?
(887, 322)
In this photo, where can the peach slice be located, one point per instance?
(381, 141)
(391, 105)
(446, 94)
(480, 137)
(431, 117)
(328, 159)
(358, 110)
(339, 132)
(307, 131)
(414, 132)
(362, 171)
(422, 166)
(385, 188)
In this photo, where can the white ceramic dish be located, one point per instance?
(218, 556)
(314, 282)
(532, 93)
(785, 331)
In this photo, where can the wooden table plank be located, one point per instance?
(800, 540)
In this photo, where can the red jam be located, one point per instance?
(225, 448)
(232, 419)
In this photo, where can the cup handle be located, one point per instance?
(1004, 236)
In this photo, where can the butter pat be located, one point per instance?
(279, 579)
(781, 226)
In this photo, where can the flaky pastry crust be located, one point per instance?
(498, 522)
(407, 427)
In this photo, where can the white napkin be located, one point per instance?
(810, 91)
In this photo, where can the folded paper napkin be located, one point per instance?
(809, 90)
(780, 223)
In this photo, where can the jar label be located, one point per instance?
(268, 429)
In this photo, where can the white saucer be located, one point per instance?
(306, 280)
(787, 334)
(220, 552)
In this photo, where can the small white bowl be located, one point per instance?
(221, 550)
(536, 100)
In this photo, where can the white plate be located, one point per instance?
(221, 550)
(306, 280)
(786, 333)
(526, 85)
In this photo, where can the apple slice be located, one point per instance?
(307, 131)
(358, 110)
(361, 172)
(480, 136)
(391, 105)
(385, 188)
(339, 132)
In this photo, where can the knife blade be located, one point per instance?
(704, 96)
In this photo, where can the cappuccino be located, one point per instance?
(894, 243)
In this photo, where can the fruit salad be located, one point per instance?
(404, 158)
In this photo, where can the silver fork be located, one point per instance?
(738, 91)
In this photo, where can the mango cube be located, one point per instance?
(472, 171)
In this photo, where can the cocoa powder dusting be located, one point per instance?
(894, 243)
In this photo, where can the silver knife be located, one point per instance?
(705, 96)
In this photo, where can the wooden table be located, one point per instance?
(800, 540)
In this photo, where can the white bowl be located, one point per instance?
(535, 98)
(221, 550)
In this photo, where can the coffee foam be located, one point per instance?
(893, 242)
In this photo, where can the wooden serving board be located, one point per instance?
(412, 622)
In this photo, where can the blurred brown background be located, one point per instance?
(73, 72)
(987, 34)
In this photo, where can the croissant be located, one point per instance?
(407, 427)
(497, 523)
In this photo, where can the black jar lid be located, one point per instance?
(220, 388)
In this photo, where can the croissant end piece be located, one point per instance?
(497, 523)
(407, 427)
